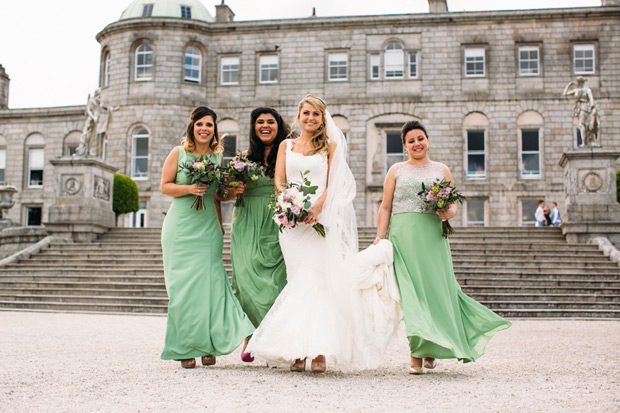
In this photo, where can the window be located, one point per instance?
(475, 212)
(268, 69)
(394, 58)
(413, 66)
(229, 143)
(147, 10)
(71, 143)
(193, 58)
(36, 160)
(33, 216)
(530, 153)
(186, 12)
(140, 154)
(106, 69)
(2, 165)
(337, 66)
(476, 154)
(144, 62)
(138, 219)
(394, 151)
(229, 70)
(529, 61)
(528, 209)
(375, 61)
(583, 59)
(474, 62)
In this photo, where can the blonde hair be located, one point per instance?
(189, 143)
(320, 140)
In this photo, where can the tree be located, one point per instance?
(126, 198)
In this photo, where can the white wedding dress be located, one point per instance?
(337, 302)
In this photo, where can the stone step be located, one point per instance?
(94, 299)
(528, 289)
(529, 257)
(472, 271)
(540, 282)
(555, 305)
(93, 285)
(85, 307)
(522, 255)
(558, 313)
(85, 277)
(99, 268)
(544, 297)
(118, 292)
(542, 265)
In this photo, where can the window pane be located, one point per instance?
(186, 12)
(413, 65)
(147, 11)
(475, 213)
(374, 66)
(36, 177)
(230, 70)
(2, 158)
(394, 60)
(475, 140)
(475, 165)
(529, 139)
(141, 168)
(230, 147)
(474, 62)
(528, 208)
(337, 65)
(531, 163)
(33, 216)
(1, 180)
(268, 69)
(36, 160)
(394, 143)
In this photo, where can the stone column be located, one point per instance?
(83, 198)
(592, 208)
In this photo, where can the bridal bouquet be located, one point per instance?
(241, 169)
(291, 206)
(437, 196)
(202, 171)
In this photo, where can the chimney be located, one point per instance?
(439, 6)
(4, 89)
(612, 3)
(223, 13)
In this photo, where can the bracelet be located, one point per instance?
(378, 237)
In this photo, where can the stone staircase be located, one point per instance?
(517, 272)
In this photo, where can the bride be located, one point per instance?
(338, 305)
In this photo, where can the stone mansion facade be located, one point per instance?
(487, 85)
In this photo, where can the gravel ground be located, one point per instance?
(85, 362)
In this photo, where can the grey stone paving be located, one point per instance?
(84, 362)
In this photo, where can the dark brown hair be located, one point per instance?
(256, 153)
(189, 143)
(411, 125)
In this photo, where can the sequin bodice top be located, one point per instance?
(409, 179)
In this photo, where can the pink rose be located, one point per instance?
(431, 197)
(295, 209)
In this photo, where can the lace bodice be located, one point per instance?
(298, 163)
(409, 179)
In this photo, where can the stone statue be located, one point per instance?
(97, 120)
(586, 112)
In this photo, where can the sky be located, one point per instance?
(48, 47)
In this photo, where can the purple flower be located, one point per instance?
(431, 197)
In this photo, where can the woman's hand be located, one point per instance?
(197, 189)
(313, 214)
(235, 188)
(447, 213)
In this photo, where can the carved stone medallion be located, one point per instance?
(72, 185)
(592, 182)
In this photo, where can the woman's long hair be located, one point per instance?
(320, 140)
(189, 143)
(256, 153)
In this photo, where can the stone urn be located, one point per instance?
(6, 203)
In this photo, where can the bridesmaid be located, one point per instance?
(259, 273)
(441, 321)
(204, 317)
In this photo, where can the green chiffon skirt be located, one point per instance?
(441, 321)
(259, 272)
(204, 317)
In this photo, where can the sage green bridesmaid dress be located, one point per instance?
(259, 273)
(441, 321)
(204, 317)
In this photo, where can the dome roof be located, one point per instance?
(167, 8)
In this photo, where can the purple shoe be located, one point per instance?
(246, 357)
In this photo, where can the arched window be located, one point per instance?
(144, 62)
(140, 153)
(394, 61)
(193, 60)
(476, 126)
(530, 126)
(106, 69)
(2, 159)
(71, 143)
(35, 160)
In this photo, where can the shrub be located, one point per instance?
(126, 198)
